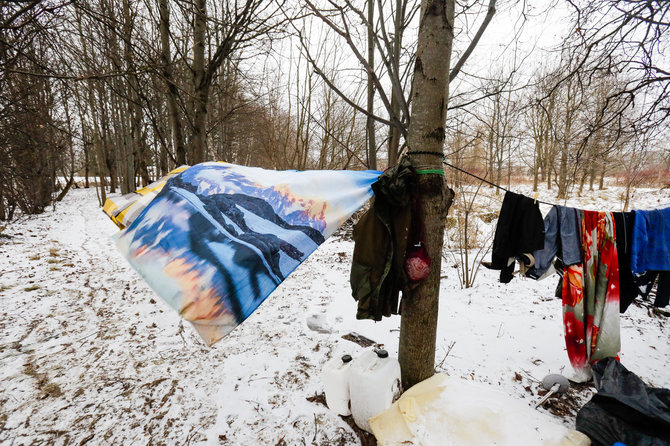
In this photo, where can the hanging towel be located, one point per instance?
(651, 241)
(520, 230)
(590, 295)
(219, 238)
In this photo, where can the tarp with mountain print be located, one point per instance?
(219, 238)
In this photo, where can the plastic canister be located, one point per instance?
(335, 377)
(374, 383)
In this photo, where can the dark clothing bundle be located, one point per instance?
(644, 239)
(628, 288)
(625, 409)
(380, 236)
(520, 231)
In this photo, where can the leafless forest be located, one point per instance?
(117, 93)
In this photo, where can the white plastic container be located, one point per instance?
(335, 377)
(374, 383)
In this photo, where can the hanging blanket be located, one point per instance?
(219, 238)
(591, 296)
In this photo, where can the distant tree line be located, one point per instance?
(121, 92)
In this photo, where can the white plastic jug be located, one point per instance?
(374, 383)
(335, 377)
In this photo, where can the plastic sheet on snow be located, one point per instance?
(447, 411)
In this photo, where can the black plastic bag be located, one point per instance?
(625, 409)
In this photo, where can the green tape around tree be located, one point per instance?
(430, 172)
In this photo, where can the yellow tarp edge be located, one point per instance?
(110, 206)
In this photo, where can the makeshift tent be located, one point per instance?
(219, 238)
(124, 209)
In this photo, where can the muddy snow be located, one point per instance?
(90, 355)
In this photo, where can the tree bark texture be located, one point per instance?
(372, 143)
(394, 132)
(172, 92)
(97, 143)
(430, 87)
(200, 87)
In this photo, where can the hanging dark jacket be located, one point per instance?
(632, 285)
(623, 222)
(520, 230)
(380, 236)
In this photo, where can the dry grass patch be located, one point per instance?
(46, 387)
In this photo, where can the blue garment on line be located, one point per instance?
(562, 236)
(650, 250)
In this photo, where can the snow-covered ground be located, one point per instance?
(89, 354)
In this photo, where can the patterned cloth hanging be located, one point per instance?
(590, 296)
(219, 238)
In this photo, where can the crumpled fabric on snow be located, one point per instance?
(625, 409)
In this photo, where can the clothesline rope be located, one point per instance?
(444, 161)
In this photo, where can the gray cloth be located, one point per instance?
(562, 238)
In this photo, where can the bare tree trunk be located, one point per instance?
(536, 165)
(166, 59)
(86, 144)
(592, 175)
(491, 152)
(372, 143)
(87, 167)
(563, 173)
(570, 112)
(3, 213)
(138, 143)
(118, 157)
(97, 144)
(394, 132)
(201, 88)
(430, 88)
